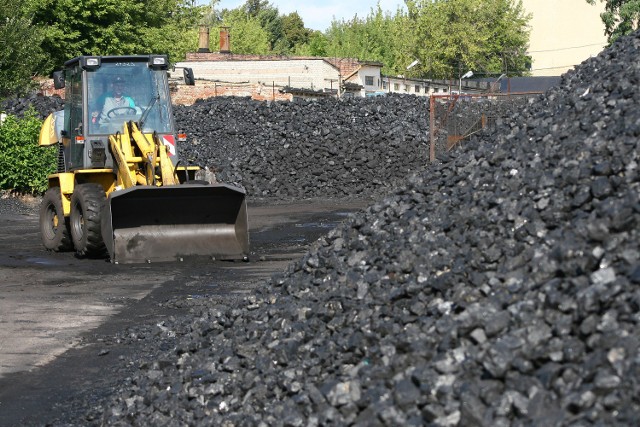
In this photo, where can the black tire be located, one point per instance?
(54, 227)
(87, 203)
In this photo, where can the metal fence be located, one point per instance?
(454, 118)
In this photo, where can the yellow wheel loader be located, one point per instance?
(120, 188)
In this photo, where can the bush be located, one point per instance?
(24, 165)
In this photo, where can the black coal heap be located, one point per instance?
(499, 287)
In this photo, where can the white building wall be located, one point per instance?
(307, 74)
(373, 83)
(416, 87)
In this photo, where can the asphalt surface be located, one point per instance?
(60, 316)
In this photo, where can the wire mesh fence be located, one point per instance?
(454, 118)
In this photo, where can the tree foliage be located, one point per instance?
(620, 17)
(489, 37)
(316, 45)
(247, 34)
(446, 36)
(24, 166)
(21, 57)
(360, 38)
(378, 37)
(270, 21)
(114, 27)
(294, 31)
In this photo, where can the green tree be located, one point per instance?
(112, 27)
(210, 15)
(269, 19)
(403, 35)
(178, 35)
(24, 165)
(620, 17)
(487, 36)
(316, 46)
(294, 31)
(21, 57)
(379, 37)
(247, 35)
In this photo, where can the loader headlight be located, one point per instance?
(90, 62)
(158, 62)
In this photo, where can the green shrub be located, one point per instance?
(24, 165)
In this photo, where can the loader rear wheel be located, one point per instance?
(87, 203)
(54, 227)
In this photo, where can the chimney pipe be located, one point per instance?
(203, 39)
(225, 43)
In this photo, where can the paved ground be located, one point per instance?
(56, 310)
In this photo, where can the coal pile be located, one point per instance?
(12, 204)
(308, 149)
(499, 287)
(42, 105)
(292, 151)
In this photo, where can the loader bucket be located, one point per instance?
(148, 223)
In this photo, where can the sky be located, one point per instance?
(318, 14)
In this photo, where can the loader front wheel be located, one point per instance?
(54, 227)
(87, 203)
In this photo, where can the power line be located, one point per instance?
(553, 68)
(567, 48)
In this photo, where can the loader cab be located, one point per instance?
(102, 93)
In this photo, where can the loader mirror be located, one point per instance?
(58, 79)
(188, 76)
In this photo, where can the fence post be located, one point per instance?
(432, 128)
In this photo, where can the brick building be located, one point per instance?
(269, 77)
(279, 77)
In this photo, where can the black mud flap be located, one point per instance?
(150, 224)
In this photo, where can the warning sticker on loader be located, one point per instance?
(170, 142)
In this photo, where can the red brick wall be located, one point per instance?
(217, 56)
(47, 89)
(186, 95)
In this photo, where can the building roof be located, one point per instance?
(529, 84)
(346, 66)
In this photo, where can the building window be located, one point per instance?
(384, 84)
(368, 80)
(396, 86)
(406, 88)
(417, 88)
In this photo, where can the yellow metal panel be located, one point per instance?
(166, 167)
(125, 142)
(105, 177)
(146, 146)
(66, 183)
(125, 178)
(48, 132)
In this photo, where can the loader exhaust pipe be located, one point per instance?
(150, 224)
